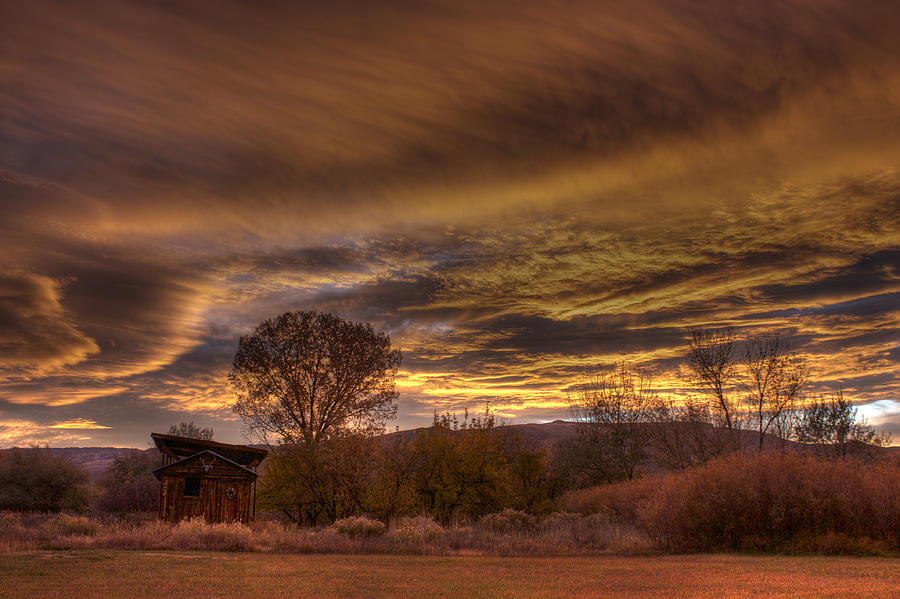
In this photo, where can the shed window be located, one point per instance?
(192, 487)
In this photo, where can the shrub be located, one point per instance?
(359, 526)
(233, 536)
(599, 531)
(769, 502)
(128, 485)
(9, 522)
(148, 535)
(508, 521)
(196, 534)
(36, 479)
(559, 521)
(63, 525)
(420, 529)
(618, 501)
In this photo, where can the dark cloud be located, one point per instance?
(514, 194)
(869, 275)
(180, 105)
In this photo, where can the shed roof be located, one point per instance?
(182, 447)
(158, 471)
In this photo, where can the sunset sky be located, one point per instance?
(513, 191)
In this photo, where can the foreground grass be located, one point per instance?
(197, 575)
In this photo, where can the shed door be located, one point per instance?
(229, 493)
(223, 501)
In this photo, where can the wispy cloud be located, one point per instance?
(79, 424)
(513, 194)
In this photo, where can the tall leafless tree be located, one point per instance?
(775, 380)
(683, 435)
(713, 372)
(613, 407)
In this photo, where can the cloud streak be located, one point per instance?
(514, 195)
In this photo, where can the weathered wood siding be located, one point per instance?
(225, 493)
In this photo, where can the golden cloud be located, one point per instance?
(514, 195)
(78, 424)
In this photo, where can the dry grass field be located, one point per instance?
(114, 574)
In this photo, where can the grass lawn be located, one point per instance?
(115, 574)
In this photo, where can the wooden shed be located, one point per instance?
(206, 478)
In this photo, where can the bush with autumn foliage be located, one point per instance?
(769, 502)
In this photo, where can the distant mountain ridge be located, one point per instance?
(94, 459)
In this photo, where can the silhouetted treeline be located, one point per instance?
(747, 396)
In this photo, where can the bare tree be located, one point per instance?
(128, 484)
(683, 434)
(775, 380)
(189, 429)
(784, 426)
(712, 371)
(305, 375)
(613, 407)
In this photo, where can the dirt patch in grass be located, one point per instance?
(111, 574)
